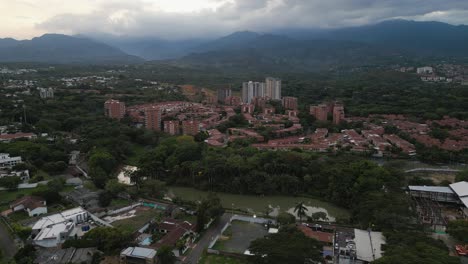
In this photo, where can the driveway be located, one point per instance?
(7, 244)
(208, 236)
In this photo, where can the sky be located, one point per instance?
(183, 19)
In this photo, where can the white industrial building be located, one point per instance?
(456, 193)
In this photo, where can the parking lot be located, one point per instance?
(238, 236)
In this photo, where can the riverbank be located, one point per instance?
(258, 204)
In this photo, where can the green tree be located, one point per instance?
(300, 209)
(108, 239)
(289, 245)
(284, 218)
(114, 187)
(462, 176)
(99, 176)
(459, 230)
(11, 183)
(319, 216)
(153, 189)
(165, 255)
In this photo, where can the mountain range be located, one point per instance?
(56, 48)
(291, 49)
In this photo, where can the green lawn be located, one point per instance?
(120, 202)
(218, 259)
(6, 196)
(18, 216)
(136, 222)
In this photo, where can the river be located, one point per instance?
(258, 204)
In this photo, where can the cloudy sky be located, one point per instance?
(179, 19)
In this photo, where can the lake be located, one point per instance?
(257, 204)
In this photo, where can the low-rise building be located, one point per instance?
(33, 205)
(138, 255)
(22, 174)
(53, 230)
(8, 162)
(176, 232)
(9, 137)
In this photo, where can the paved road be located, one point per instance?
(7, 245)
(203, 243)
(433, 170)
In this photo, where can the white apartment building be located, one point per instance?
(273, 88)
(8, 162)
(45, 93)
(425, 70)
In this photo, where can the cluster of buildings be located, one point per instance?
(421, 132)
(46, 93)
(16, 72)
(442, 73)
(270, 89)
(346, 245)
(322, 111)
(87, 80)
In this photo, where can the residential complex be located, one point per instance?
(114, 109)
(270, 89)
(172, 127)
(289, 102)
(153, 118)
(273, 88)
(223, 94)
(46, 93)
(190, 127)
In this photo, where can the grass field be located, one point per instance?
(257, 204)
(136, 222)
(120, 202)
(217, 259)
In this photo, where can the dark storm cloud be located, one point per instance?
(137, 19)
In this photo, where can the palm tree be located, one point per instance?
(300, 210)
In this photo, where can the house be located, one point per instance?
(175, 231)
(22, 174)
(33, 205)
(53, 230)
(324, 237)
(136, 255)
(9, 137)
(8, 162)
